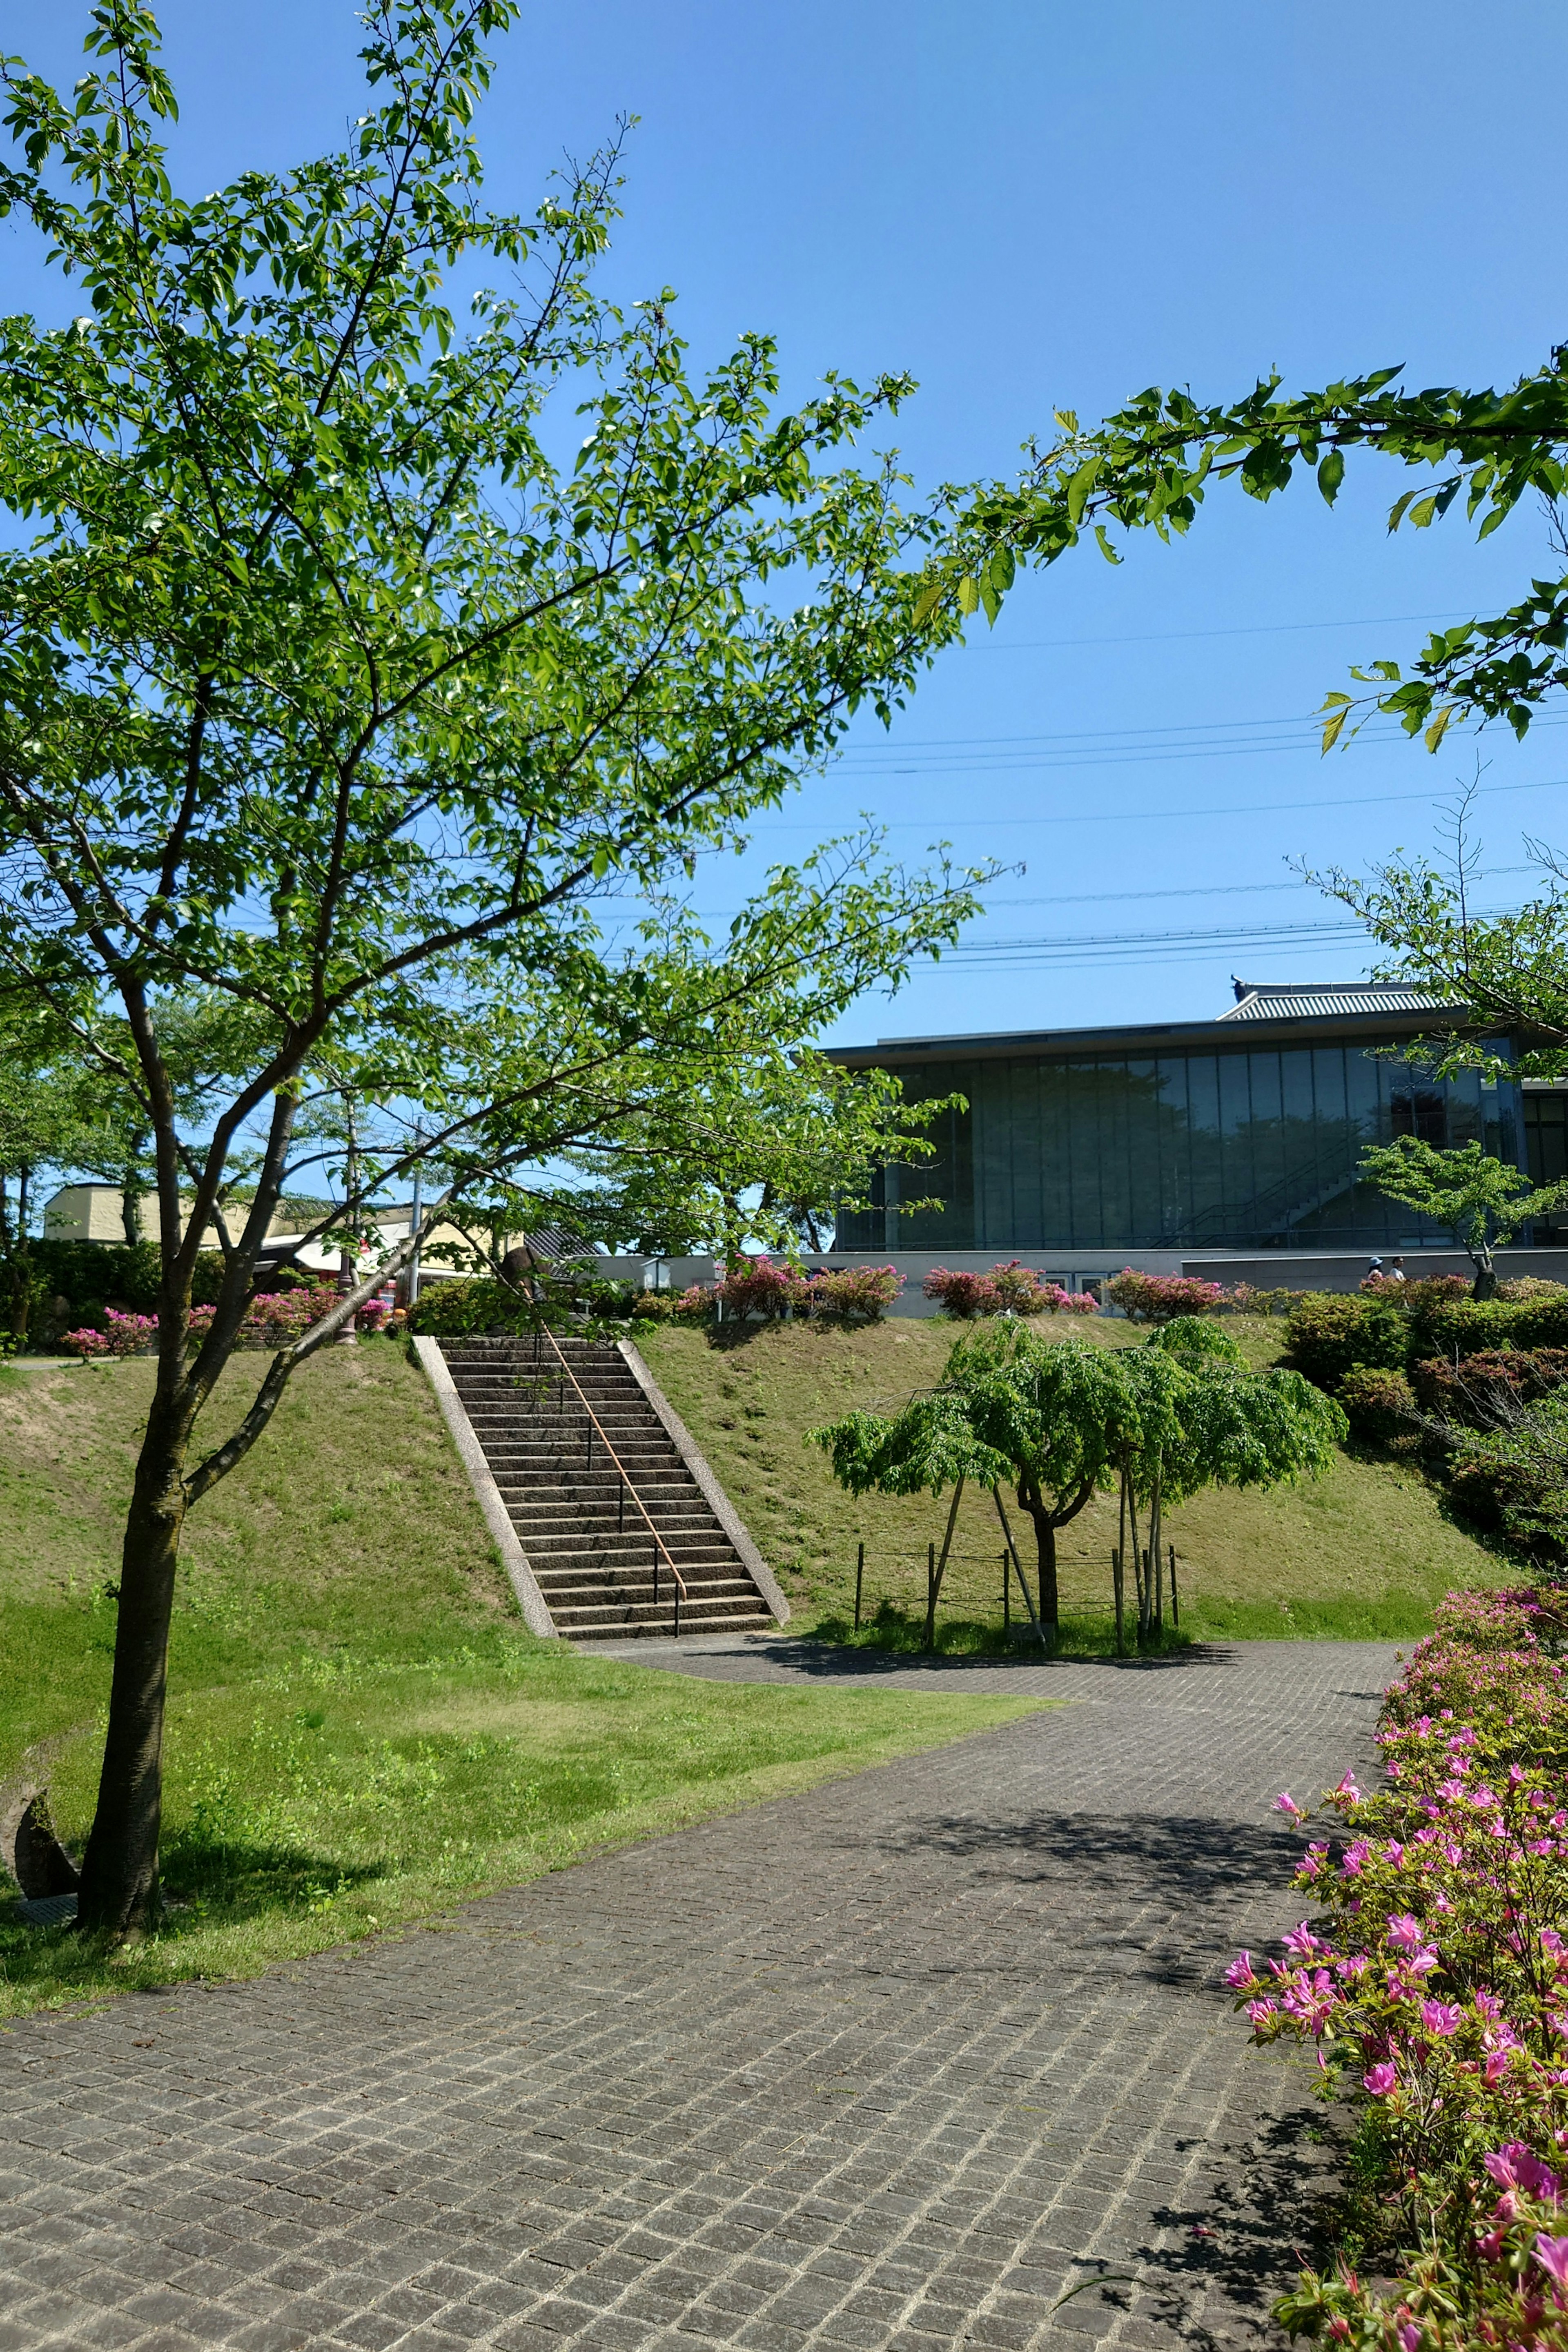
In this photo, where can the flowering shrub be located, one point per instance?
(694, 1305)
(1156, 1298)
(1434, 1987)
(961, 1296)
(274, 1317)
(756, 1286)
(123, 1335)
(856, 1294)
(1471, 1389)
(1010, 1289)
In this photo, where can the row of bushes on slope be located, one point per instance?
(756, 1290)
(1432, 1984)
(1331, 1333)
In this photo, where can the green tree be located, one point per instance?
(1479, 452)
(1047, 1417)
(1203, 1420)
(328, 692)
(1151, 465)
(1482, 1201)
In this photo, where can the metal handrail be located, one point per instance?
(659, 1546)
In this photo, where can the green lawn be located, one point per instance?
(361, 1730)
(1360, 1553)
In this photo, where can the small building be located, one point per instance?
(1232, 1143)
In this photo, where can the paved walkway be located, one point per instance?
(889, 2064)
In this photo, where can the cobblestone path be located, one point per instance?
(889, 2064)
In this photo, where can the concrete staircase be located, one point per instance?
(585, 1540)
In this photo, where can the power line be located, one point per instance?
(1185, 636)
(1150, 817)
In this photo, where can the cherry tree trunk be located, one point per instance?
(119, 1895)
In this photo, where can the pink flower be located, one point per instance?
(1355, 1858)
(1301, 1942)
(1347, 1789)
(1240, 1972)
(1286, 1803)
(1409, 2336)
(1380, 2080)
(1514, 2166)
(1441, 2017)
(1551, 2254)
(1404, 1932)
(1260, 2011)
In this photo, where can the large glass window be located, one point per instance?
(1242, 1148)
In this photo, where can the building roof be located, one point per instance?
(1352, 1013)
(1270, 1000)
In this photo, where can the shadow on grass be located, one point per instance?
(209, 1883)
(901, 1633)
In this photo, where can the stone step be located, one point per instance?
(547, 1442)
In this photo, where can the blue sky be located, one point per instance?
(1030, 207)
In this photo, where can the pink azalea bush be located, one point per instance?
(1160, 1297)
(757, 1288)
(123, 1335)
(856, 1294)
(1432, 1984)
(1010, 1289)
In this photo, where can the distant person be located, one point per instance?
(1375, 1273)
(1396, 1271)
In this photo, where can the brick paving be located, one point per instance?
(889, 2064)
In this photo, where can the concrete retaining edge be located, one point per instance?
(713, 1493)
(487, 1494)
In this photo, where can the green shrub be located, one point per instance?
(1471, 1327)
(1378, 1402)
(1331, 1333)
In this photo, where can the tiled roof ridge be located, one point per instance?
(1266, 999)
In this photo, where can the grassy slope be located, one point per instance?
(360, 1729)
(1364, 1550)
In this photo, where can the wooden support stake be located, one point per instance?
(1007, 1597)
(1117, 1588)
(860, 1579)
(1175, 1605)
(1018, 1569)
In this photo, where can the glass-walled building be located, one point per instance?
(1242, 1133)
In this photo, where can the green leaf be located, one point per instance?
(1105, 547)
(1421, 515)
(1330, 474)
(1079, 489)
(1439, 727)
(927, 601)
(1334, 722)
(1498, 515)
(1398, 511)
(968, 594)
